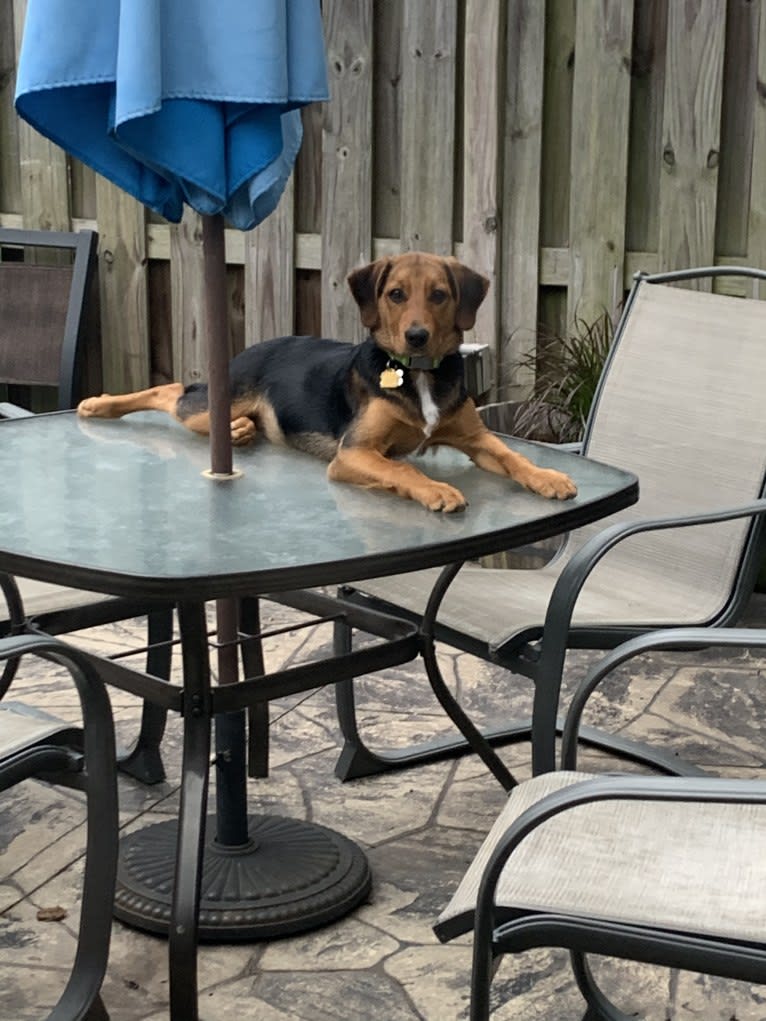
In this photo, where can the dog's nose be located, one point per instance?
(416, 336)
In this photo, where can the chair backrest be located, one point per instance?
(49, 312)
(682, 403)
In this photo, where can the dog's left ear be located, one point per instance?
(365, 284)
(471, 289)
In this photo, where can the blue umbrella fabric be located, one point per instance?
(176, 101)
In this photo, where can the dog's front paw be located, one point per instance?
(553, 484)
(242, 431)
(98, 407)
(438, 496)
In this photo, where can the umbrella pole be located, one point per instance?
(219, 405)
(230, 738)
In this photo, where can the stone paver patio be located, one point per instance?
(420, 828)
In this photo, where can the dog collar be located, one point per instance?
(393, 375)
(417, 362)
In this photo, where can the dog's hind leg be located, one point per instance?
(187, 405)
(191, 410)
(156, 398)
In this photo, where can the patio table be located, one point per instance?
(124, 508)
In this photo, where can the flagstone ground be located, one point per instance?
(420, 828)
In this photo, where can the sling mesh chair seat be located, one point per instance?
(663, 870)
(49, 339)
(36, 745)
(680, 404)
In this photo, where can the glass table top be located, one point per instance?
(123, 507)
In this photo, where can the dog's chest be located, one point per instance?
(428, 407)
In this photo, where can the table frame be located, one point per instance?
(199, 702)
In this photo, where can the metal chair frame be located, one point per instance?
(539, 653)
(88, 764)
(505, 929)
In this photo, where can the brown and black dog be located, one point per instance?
(365, 407)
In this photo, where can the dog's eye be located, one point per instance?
(397, 295)
(438, 296)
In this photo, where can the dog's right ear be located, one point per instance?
(366, 284)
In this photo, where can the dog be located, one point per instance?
(366, 407)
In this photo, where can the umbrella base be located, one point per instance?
(289, 877)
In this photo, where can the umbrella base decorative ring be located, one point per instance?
(289, 877)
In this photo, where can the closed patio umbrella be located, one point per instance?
(180, 102)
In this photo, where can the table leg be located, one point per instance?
(230, 877)
(230, 737)
(184, 918)
(258, 714)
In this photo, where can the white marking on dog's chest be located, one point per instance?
(428, 408)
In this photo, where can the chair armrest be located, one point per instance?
(12, 622)
(666, 638)
(46, 646)
(98, 725)
(558, 617)
(12, 619)
(575, 573)
(571, 448)
(8, 410)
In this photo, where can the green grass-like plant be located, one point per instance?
(567, 370)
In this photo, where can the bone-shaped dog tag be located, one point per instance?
(390, 378)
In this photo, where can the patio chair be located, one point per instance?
(49, 338)
(49, 322)
(36, 745)
(681, 404)
(663, 870)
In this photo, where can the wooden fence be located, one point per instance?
(556, 146)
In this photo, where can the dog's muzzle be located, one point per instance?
(417, 337)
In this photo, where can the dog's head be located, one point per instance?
(418, 304)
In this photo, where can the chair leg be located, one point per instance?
(144, 760)
(80, 1000)
(599, 1007)
(357, 759)
(485, 964)
(97, 1011)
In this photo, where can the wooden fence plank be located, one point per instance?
(122, 273)
(187, 289)
(521, 197)
(346, 162)
(560, 22)
(44, 181)
(691, 134)
(736, 144)
(600, 119)
(387, 123)
(428, 124)
(560, 19)
(481, 155)
(270, 273)
(83, 188)
(650, 27)
(308, 172)
(10, 181)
